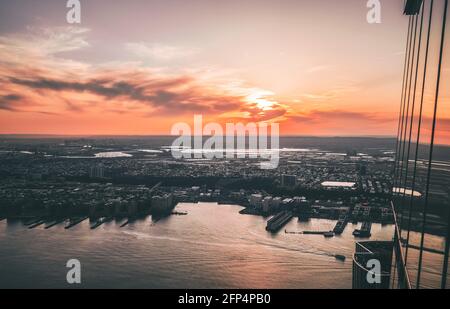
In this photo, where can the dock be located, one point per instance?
(36, 224)
(324, 233)
(56, 222)
(33, 221)
(278, 221)
(294, 233)
(100, 222)
(314, 232)
(364, 232)
(74, 222)
(179, 213)
(340, 225)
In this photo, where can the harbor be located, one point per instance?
(223, 228)
(180, 234)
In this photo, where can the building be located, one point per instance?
(288, 181)
(276, 202)
(267, 204)
(421, 237)
(162, 204)
(120, 207)
(97, 172)
(256, 200)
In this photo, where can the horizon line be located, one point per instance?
(168, 135)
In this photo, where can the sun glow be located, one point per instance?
(260, 98)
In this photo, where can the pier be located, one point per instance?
(294, 233)
(340, 225)
(56, 222)
(327, 234)
(74, 222)
(315, 232)
(364, 231)
(33, 221)
(324, 233)
(36, 224)
(100, 222)
(125, 223)
(179, 213)
(278, 221)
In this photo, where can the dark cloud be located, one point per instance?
(8, 102)
(72, 106)
(174, 96)
(257, 114)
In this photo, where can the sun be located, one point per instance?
(260, 98)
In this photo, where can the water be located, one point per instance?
(113, 154)
(212, 247)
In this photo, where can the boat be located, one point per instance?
(340, 257)
(328, 234)
(179, 213)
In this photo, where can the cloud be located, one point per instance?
(7, 102)
(50, 83)
(44, 42)
(319, 68)
(320, 116)
(332, 93)
(340, 122)
(159, 51)
(174, 95)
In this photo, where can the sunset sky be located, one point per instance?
(137, 67)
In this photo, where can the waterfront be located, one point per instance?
(212, 247)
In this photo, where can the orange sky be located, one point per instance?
(315, 67)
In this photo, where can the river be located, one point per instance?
(211, 247)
